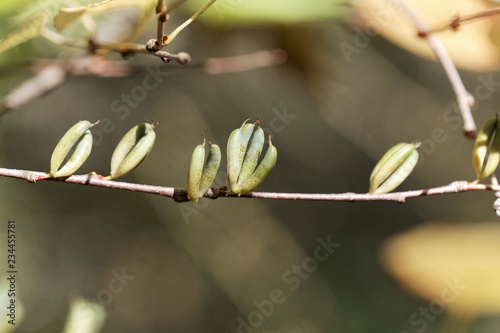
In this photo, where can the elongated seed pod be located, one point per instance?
(127, 143)
(393, 168)
(399, 176)
(132, 149)
(79, 156)
(236, 149)
(386, 157)
(252, 155)
(247, 131)
(486, 151)
(262, 171)
(210, 169)
(67, 142)
(196, 171)
(233, 157)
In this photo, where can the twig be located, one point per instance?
(52, 73)
(161, 17)
(463, 97)
(174, 33)
(47, 79)
(127, 49)
(151, 47)
(245, 62)
(457, 20)
(180, 195)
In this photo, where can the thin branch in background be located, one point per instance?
(52, 73)
(180, 195)
(127, 49)
(458, 20)
(245, 62)
(464, 98)
(47, 79)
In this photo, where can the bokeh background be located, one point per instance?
(216, 266)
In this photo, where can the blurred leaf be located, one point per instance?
(434, 258)
(238, 12)
(67, 16)
(85, 317)
(24, 32)
(473, 47)
(7, 7)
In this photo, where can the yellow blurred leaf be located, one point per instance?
(67, 16)
(85, 316)
(454, 265)
(472, 47)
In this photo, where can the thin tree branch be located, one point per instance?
(161, 17)
(245, 62)
(180, 195)
(463, 97)
(52, 73)
(458, 20)
(47, 79)
(127, 49)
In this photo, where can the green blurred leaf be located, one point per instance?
(8, 7)
(237, 12)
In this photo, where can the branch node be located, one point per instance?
(212, 193)
(33, 177)
(180, 195)
(152, 45)
(455, 23)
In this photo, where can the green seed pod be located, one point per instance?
(79, 156)
(486, 152)
(393, 168)
(202, 173)
(78, 135)
(132, 149)
(254, 149)
(233, 157)
(210, 168)
(236, 148)
(262, 171)
(196, 171)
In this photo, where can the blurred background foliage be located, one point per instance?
(204, 267)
